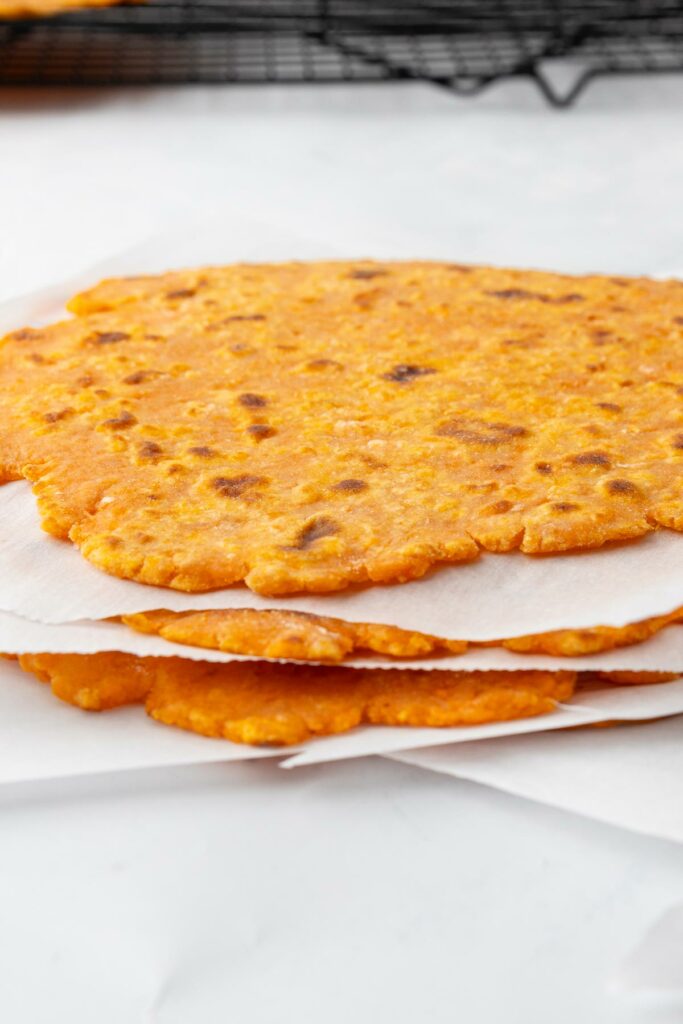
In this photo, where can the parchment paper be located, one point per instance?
(662, 653)
(629, 777)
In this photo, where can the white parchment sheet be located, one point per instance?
(505, 595)
(661, 653)
(656, 962)
(627, 776)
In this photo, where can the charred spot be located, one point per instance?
(460, 268)
(512, 293)
(591, 459)
(594, 367)
(86, 381)
(678, 442)
(55, 417)
(367, 273)
(620, 281)
(36, 357)
(564, 506)
(181, 293)
(601, 337)
(543, 467)
(107, 337)
(243, 318)
(260, 431)
(479, 432)
(136, 378)
(625, 383)
(609, 406)
(101, 393)
(236, 486)
(350, 486)
(202, 450)
(25, 334)
(315, 530)
(120, 422)
(562, 300)
(523, 293)
(250, 401)
(405, 372)
(500, 467)
(621, 487)
(678, 320)
(323, 364)
(150, 450)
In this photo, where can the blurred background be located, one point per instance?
(530, 133)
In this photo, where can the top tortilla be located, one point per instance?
(303, 427)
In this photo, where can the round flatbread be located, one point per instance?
(303, 427)
(303, 637)
(257, 703)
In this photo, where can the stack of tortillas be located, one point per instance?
(302, 429)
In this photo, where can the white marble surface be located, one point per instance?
(371, 890)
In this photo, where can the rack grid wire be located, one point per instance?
(461, 45)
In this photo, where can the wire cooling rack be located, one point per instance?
(461, 45)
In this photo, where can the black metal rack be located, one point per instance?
(461, 45)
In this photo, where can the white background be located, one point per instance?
(363, 891)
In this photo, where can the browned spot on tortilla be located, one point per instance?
(251, 401)
(591, 459)
(619, 486)
(107, 337)
(235, 486)
(352, 486)
(315, 530)
(260, 431)
(120, 422)
(362, 274)
(479, 432)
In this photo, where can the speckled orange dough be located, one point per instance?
(296, 635)
(576, 642)
(94, 682)
(303, 427)
(278, 634)
(638, 678)
(252, 702)
(42, 8)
